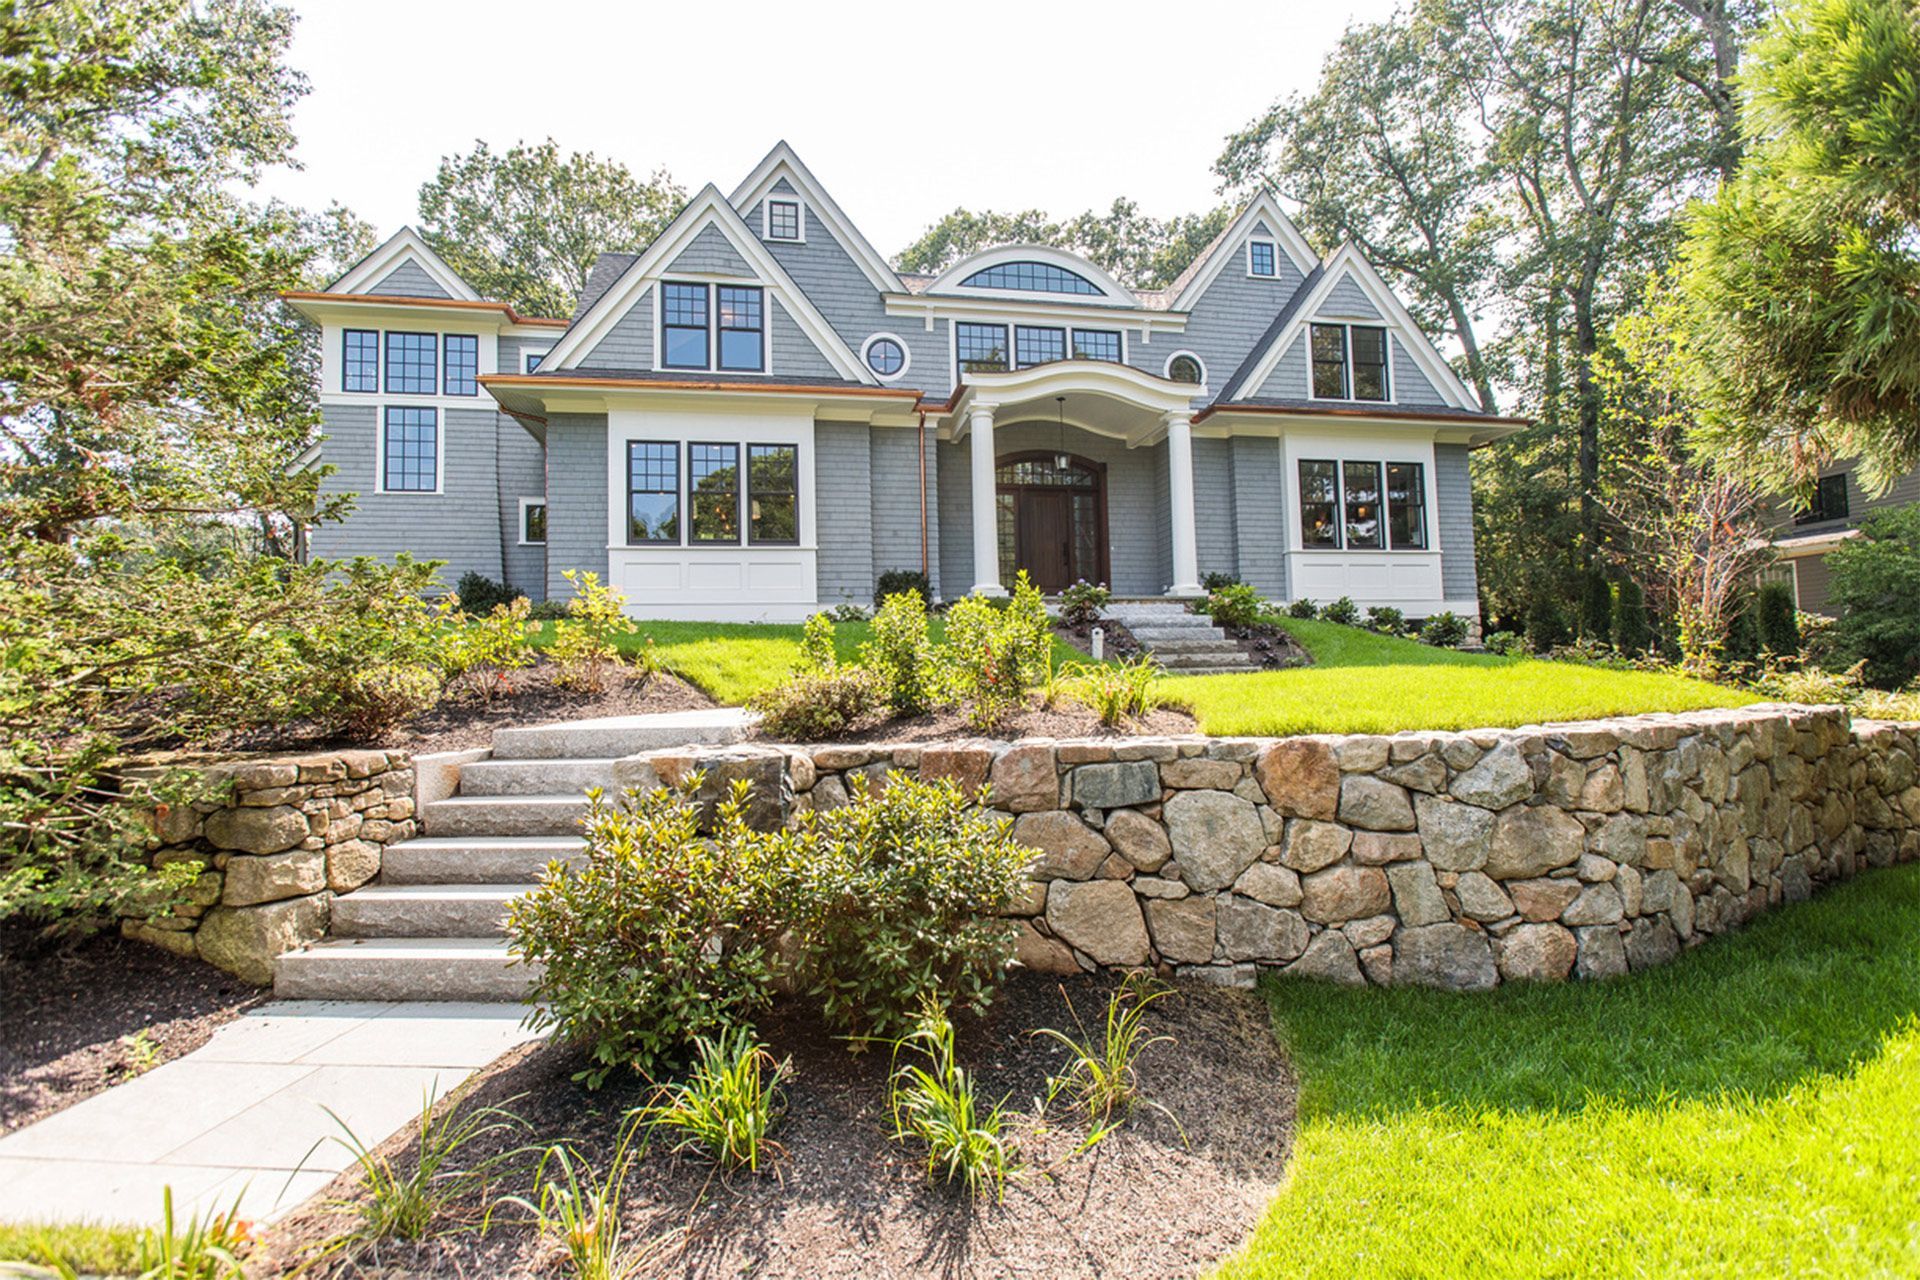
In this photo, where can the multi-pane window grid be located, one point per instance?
(1349, 362)
(1407, 506)
(1360, 486)
(1096, 344)
(413, 364)
(1036, 345)
(713, 475)
(783, 220)
(683, 320)
(773, 473)
(653, 492)
(360, 363)
(411, 450)
(462, 355)
(982, 348)
(1341, 505)
(1030, 277)
(1330, 361)
(742, 327)
(1369, 347)
(1260, 258)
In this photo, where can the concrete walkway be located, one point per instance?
(241, 1115)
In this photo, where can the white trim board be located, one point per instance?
(404, 245)
(782, 162)
(1263, 207)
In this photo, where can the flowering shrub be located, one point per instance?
(996, 655)
(589, 644)
(478, 652)
(818, 704)
(1082, 603)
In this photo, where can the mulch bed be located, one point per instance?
(1118, 642)
(1155, 1199)
(1068, 720)
(1269, 646)
(66, 1012)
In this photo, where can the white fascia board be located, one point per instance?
(1016, 307)
(781, 162)
(704, 210)
(403, 244)
(1263, 207)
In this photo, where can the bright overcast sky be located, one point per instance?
(903, 110)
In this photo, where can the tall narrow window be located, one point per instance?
(1369, 347)
(653, 491)
(1260, 257)
(462, 356)
(783, 220)
(413, 363)
(713, 491)
(1407, 506)
(1096, 344)
(773, 493)
(1033, 344)
(981, 348)
(1829, 501)
(743, 328)
(533, 521)
(360, 361)
(410, 450)
(1319, 503)
(1361, 483)
(683, 326)
(1329, 362)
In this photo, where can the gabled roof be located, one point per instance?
(707, 209)
(782, 162)
(404, 245)
(1186, 290)
(1238, 377)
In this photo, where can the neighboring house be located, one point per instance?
(1803, 538)
(757, 416)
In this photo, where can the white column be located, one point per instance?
(1186, 558)
(986, 507)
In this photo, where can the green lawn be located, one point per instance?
(1752, 1110)
(1366, 683)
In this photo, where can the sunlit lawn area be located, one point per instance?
(1751, 1110)
(1365, 683)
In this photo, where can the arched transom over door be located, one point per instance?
(1052, 519)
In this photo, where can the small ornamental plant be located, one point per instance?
(1083, 604)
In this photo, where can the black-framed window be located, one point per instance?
(534, 359)
(1330, 361)
(886, 357)
(413, 363)
(461, 371)
(1360, 488)
(981, 348)
(533, 522)
(1037, 344)
(1319, 502)
(1829, 501)
(410, 450)
(783, 220)
(773, 494)
(1368, 343)
(1260, 257)
(1097, 344)
(653, 491)
(683, 326)
(1030, 277)
(713, 491)
(1185, 369)
(360, 360)
(1407, 506)
(743, 327)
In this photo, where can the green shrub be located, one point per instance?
(1083, 603)
(1447, 630)
(1631, 632)
(1779, 631)
(1303, 608)
(588, 645)
(899, 581)
(1546, 624)
(659, 936)
(996, 654)
(1505, 642)
(1212, 582)
(1343, 611)
(478, 652)
(816, 705)
(480, 595)
(849, 613)
(1741, 643)
(1117, 691)
(817, 651)
(1234, 605)
(1875, 594)
(900, 656)
(904, 893)
(1386, 619)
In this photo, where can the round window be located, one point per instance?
(886, 357)
(1184, 369)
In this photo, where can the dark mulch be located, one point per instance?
(1118, 642)
(1068, 720)
(1156, 1199)
(66, 1012)
(1269, 646)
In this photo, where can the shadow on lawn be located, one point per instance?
(1802, 991)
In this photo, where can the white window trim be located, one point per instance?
(525, 541)
(525, 355)
(1272, 244)
(1349, 323)
(768, 298)
(766, 219)
(906, 353)
(1166, 370)
(439, 450)
(1296, 536)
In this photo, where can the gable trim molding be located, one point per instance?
(782, 162)
(1262, 207)
(405, 244)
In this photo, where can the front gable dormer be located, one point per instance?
(404, 266)
(781, 177)
(1237, 253)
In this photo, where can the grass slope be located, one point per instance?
(1751, 1110)
(1366, 683)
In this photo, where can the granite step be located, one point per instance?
(402, 969)
(538, 777)
(470, 860)
(612, 736)
(550, 815)
(425, 910)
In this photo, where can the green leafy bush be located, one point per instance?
(1875, 594)
(900, 656)
(1083, 603)
(1447, 630)
(1303, 608)
(1631, 632)
(1506, 642)
(1774, 613)
(813, 706)
(996, 654)
(849, 613)
(478, 652)
(589, 645)
(898, 581)
(817, 651)
(1343, 611)
(1212, 582)
(1386, 619)
(1546, 624)
(480, 595)
(1234, 605)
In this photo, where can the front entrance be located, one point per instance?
(1052, 519)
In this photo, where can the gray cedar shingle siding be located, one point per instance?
(1453, 484)
(955, 490)
(523, 474)
(1410, 383)
(794, 354)
(1288, 381)
(1260, 518)
(409, 280)
(629, 344)
(711, 253)
(1346, 301)
(577, 496)
(1213, 503)
(895, 473)
(1226, 320)
(843, 512)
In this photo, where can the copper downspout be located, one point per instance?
(923, 496)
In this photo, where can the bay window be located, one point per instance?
(713, 489)
(773, 494)
(653, 491)
(1362, 505)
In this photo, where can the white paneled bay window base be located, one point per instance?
(1407, 580)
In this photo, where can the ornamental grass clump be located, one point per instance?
(728, 1103)
(932, 1102)
(1101, 1074)
(579, 1207)
(1118, 691)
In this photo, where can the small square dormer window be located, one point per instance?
(783, 220)
(1260, 259)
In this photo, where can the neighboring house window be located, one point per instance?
(1319, 503)
(462, 355)
(413, 364)
(1034, 344)
(1030, 277)
(1349, 362)
(1260, 257)
(1360, 483)
(1829, 501)
(783, 220)
(1096, 344)
(713, 491)
(1186, 368)
(743, 329)
(773, 493)
(410, 450)
(533, 520)
(360, 362)
(683, 326)
(1344, 504)
(982, 348)
(653, 491)
(1407, 506)
(886, 357)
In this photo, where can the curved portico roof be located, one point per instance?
(1109, 399)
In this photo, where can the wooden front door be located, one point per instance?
(1053, 520)
(1044, 538)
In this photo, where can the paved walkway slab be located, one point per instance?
(240, 1117)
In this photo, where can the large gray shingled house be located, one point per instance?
(757, 416)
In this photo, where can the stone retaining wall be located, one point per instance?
(281, 838)
(1445, 859)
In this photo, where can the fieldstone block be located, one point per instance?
(1118, 785)
(1427, 773)
(1536, 953)
(350, 864)
(1199, 773)
(1597, 904)
(179, 942)
(252, 880)
(1377, 963)
(1301, 778)
(1532, 841)
(965, 764)
(1366, 801)
(1456, 836)
(1601, 953)
(1481, 899)
(1069, 848)
(244, 940)
(1265, 882)
(1450, 956)
(1416, 895)
(1254, 931)
(1024, 778)
(1100, 918)
(1652, 942)
(1215, 837)
(1330, 958)
(256, 830)
(1379, 848)
(1339, 894)
(1500, 778)
(1139, 839)
(1159, 887)
(1035, 951)
(1182, 929)
(1370, 932)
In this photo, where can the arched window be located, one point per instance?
(1030, 277)
(1186, 368)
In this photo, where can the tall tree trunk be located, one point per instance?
(1586, 346)
(1470, 344)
